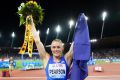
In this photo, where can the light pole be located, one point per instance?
(104, 14)
(12, 35)
(47, 32)
(71, 23)
(58, 29)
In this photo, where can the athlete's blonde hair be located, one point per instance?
(58, 40)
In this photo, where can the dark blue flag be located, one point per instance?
(81, 49)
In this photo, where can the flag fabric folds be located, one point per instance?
(81, 49)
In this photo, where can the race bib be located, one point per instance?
(57, 70)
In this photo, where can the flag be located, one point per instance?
(81, 49)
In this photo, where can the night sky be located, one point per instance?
(60, 12)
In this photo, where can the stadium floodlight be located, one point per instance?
(86, 18)
(71, 23)
(58, 29)
(47, 32)
(12, 35)
(93, 40)
(104, 15)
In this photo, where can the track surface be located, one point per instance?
(111, 72)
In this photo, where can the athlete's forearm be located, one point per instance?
(37, 40)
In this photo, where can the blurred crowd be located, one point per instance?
(106, 53)
(96, 54)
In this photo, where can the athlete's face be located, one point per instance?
(11, 58)
(56, 48)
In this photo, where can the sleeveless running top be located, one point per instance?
(56, 71)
